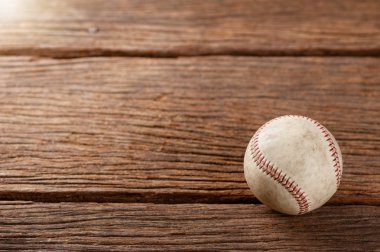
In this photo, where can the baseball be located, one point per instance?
(293, 164)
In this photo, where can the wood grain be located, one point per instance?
(76, 28)
(184, 227)
(174, 130)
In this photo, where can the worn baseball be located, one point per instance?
(293, 164)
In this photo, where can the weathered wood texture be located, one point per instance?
(170, 28)
(174, 130)
(184, 227)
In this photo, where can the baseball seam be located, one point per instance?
(277, 174)
(333, 150)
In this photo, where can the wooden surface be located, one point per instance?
(141, 147)
(174, 130)
(170, 28)
(185, 227)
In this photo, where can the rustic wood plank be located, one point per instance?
(174, 130)
(170, 28)
(184, 227)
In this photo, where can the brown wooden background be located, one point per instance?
(123, 124)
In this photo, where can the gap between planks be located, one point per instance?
(122, 197)
(56, 53)
(150, 198)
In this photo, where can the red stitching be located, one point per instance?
(332, 150)
(282, 178)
